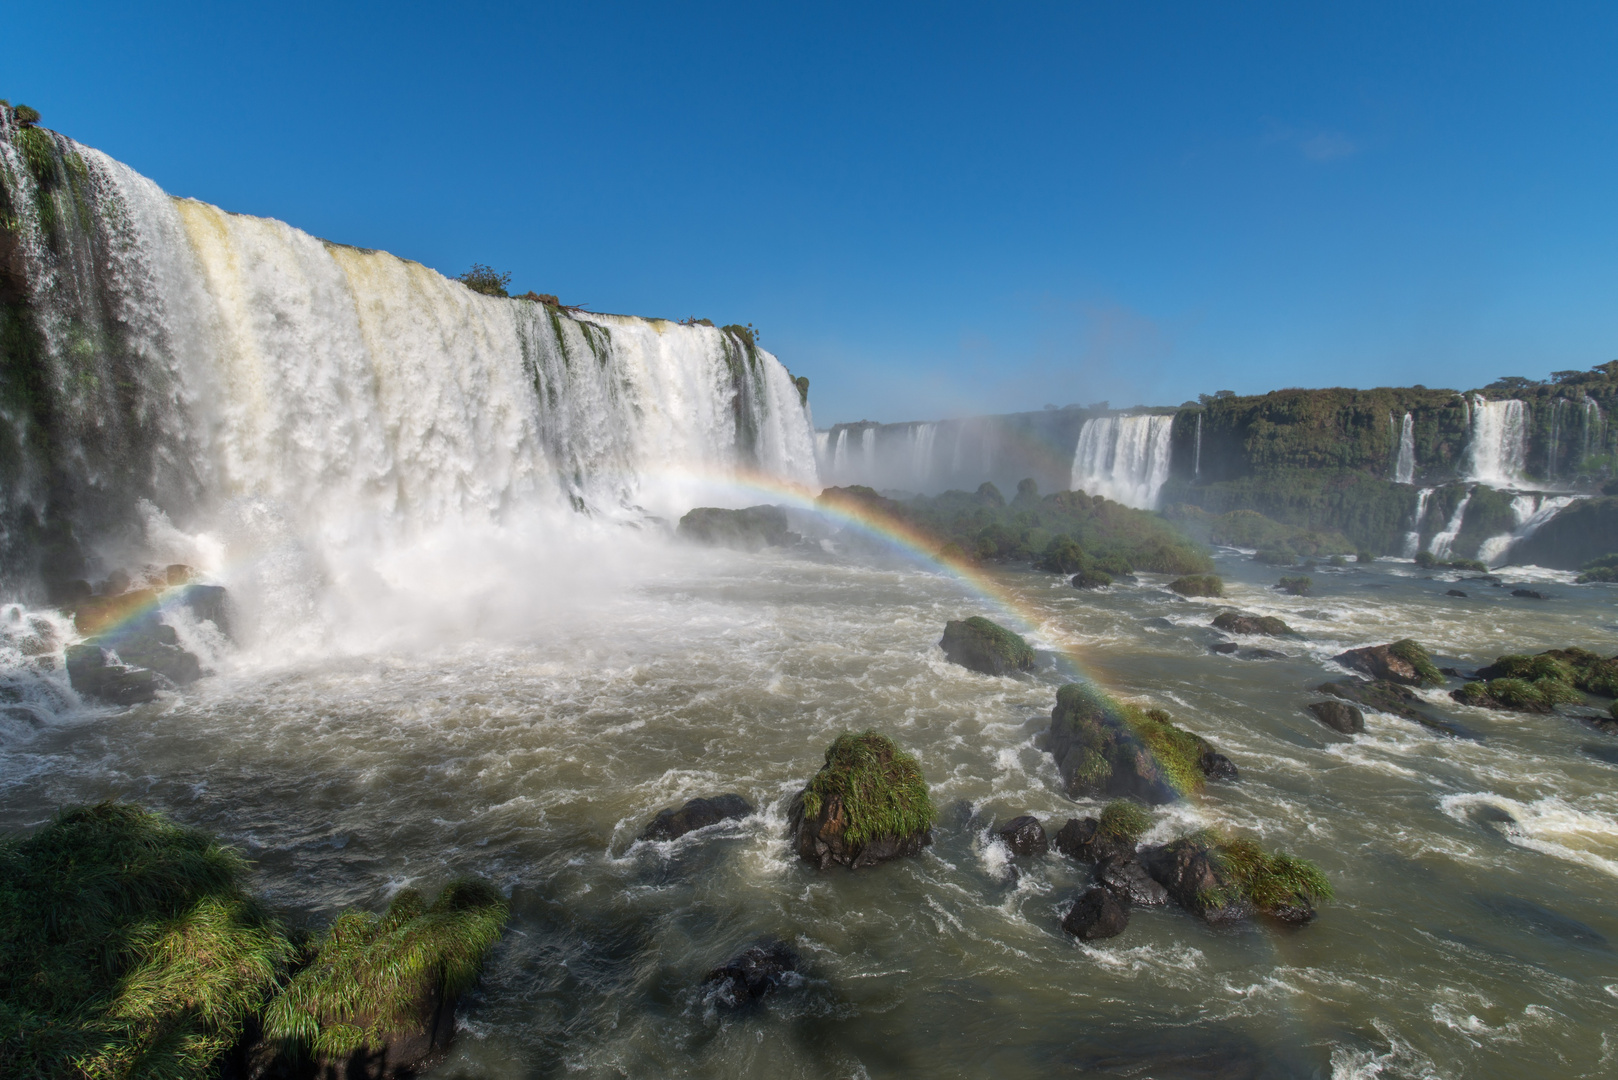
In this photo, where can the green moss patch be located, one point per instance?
(1517, 695)
(1095, 742)
(371, 975)
(1296, 586)
(1604, 569)
(1271, 881)
(880, 787)
(1412, 653)
(1198, 585)
(1124, 819)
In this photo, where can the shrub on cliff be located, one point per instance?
(868, 803)
(486, 280)
(129, 946)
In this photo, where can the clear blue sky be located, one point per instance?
(928, 209)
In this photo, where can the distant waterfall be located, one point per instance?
(1413, 537)
(1196, 461)
(1529, 512)
(1125, 458)
(1498, 448)
(1404, 470)
(1444, 540)
(1594, 427)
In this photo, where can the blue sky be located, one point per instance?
(928, 209)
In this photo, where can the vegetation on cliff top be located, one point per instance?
(486, 280)
(880, 787)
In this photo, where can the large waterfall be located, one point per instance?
(1125, 458)
(185, 364)
(1498, 447)
(1404, 468)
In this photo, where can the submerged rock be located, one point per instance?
(93, 673)
(985, 646)
(1338, 716)
(1529, 594)
(1104, 747)
(1223, 648)
(1024, 836)
(1404, 662)
(749, 529)
(1390, 698)
(1097, 914)
(697, 814)
(1091, 579)
(1456, 592)
(866, 805)
(1232, 622)
(752, 974)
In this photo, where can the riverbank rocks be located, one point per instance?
(1129, 880)
(1084, 840)
(1339, 716)
(129, 653)
(866, 805)
(1091, 579)
(1103, 747)
(1232, 622)
(1221, 880)
(697, 814)
(1579, 668)
(753, 974)
(749, 529)
(1198, 585)
(985, 646)
(1404, 662)
(1024, 835)
(1097, 914)
(1517, 695)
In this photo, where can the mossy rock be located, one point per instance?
(985, 646)
(1403, 661)
(1198, 585)
(1091, 579)
(1579, 668)
(749, 529)
(1392, 698)
(1103, 747)
(1296, 586)
(866, 805)
(1517, 695)
(1232, 622)
(1221, 879)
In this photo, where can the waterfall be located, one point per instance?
(1125, 458)
(1196, 461)
(1413, 537)
(1554, 440)
(921, 454)
(1443, 540)
(1592, 429)
(1529, 512)
(1498, 447)
(194, 358)
(1404, 470)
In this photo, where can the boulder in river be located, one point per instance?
(1518, 695)
(1091, 578)
(1529, 594)
(752, 974)
(1024, 835)
(1338, 715)
(749, 529)
(1390, 698)
(1221, 880)
(697, 814)
(1456, 592)
(1096, 914)
(93, 673)
(1129, 880)
(866, 805)
(1198, 585)
(1579, 668)
(1232, 622)
(985, 646)
(1104, 747)
(1404, 662)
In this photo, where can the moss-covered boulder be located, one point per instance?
(985, 646)
(1392, 698)
(377, 996)
(1198, 585)
(1338, 715)
(1220, 879)
(1577, 668)
(866, 805)
(749, 529)
(1233, 622)
(129, 946)
(1517, 695)
(1404, 662)
(1091, 579)
(1296, 586)
(1103, 747)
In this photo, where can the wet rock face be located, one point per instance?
(1232, 622)
(1082, 839)
(750, 529)
(1193, 879)
(822, 841)
(1391, 698)
(697, 814)
(1105, 748)
(1339, 716)
(1384, 663)
(1129, 880)
(1097, 914)
(985, 646)
(753, 974)
(94, 674)
(1025, 836)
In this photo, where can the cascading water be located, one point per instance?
(208, 362)
(1125, 458)
(1498, 447)
(1404, 470)
(1529, 512)
(1445, 539)
(1196, 461)
(1412, 546)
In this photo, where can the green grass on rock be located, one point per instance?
(881, 788)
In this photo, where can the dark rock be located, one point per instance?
(1193, 879)
(749, 529)
(1402, 662)
(1338, 716)
(1128, 880)
(696, 814)
(1096, 914)
(1083, 839)
(1391, 698)
(1577, 535)
(207, 603)
(1223, 648)
(92, 673)
(1025, 836)
(1103, 747)
(1456, 592)
(1091, 579)
(1261, 654)
(1529, 594)
(985, 646)
(1216, 766)
(1232, 622)
(753, 974)
(1158, 622)
(866, 783)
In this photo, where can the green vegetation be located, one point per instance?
(1602, 569)
(1091, 579)
(1577, 668)
(38, 153)
(1428, 561)
(1517, 695)
(1296, 586)
(1337, 561)
(1232, 622)
(1251, 529)
(802, 383)
(1126, 820)
(1199, 585)
(1276, 557)
(1100, 535)
(882, 791)
(1269, 881)
(1007, 644)
(26, 116)
(1363, 556)
(129, 947)
(1411, 652)
(746, 334)
(371, 975)
(486, 280)
(1104, 733)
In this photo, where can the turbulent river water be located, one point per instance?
(528, 736)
